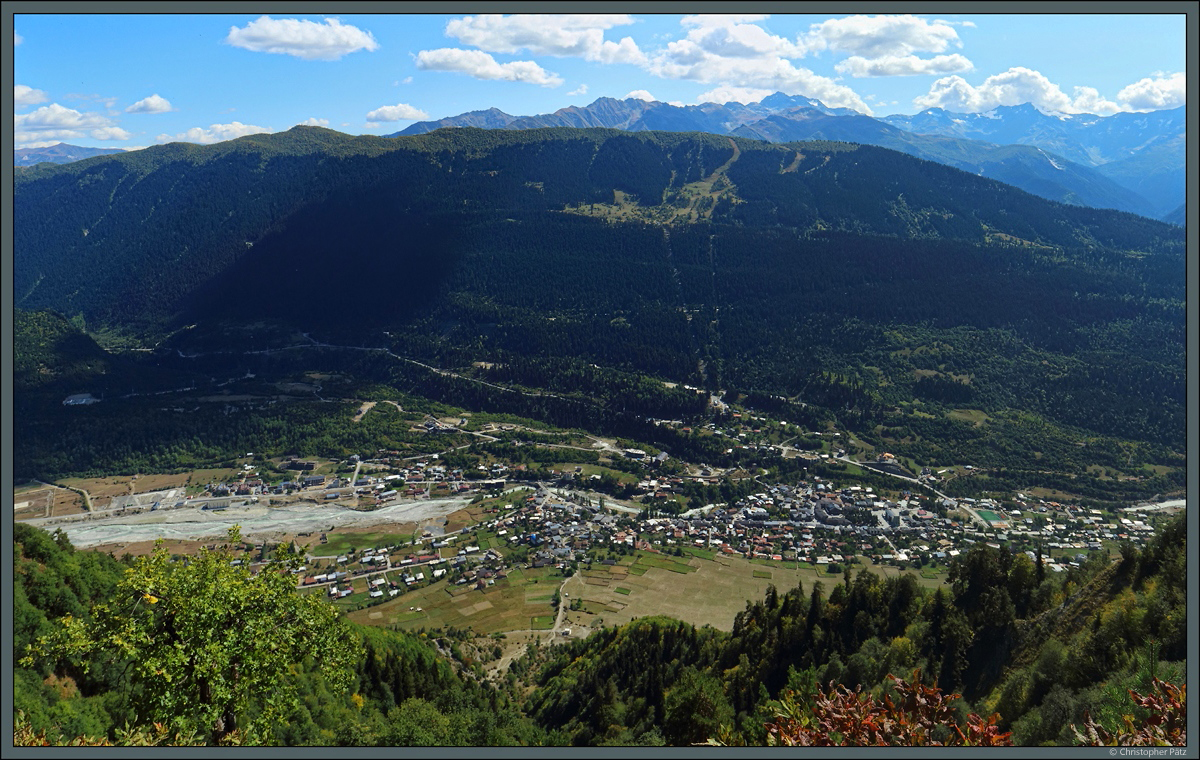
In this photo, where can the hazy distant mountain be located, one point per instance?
(492, 118)
(1156, 172)
(634, 115)
(1027, 167)
(1143, 152)
(1178, 217)
(62, 153)
(1083, 138)
(781, 118)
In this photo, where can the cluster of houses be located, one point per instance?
(809, 523)
(391, 570)
(806, 522)
(405, 479)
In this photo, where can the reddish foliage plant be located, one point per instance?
(921, 716)
(1166, 726)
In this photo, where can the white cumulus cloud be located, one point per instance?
(304, 39)
(903, 65)
(17, 40)
(152, 104)
(731, 37)
(58, 122)
(1009, 88)
(1155, 94)
(1021, 85)
(481, 65)
(883, 36)
(722, 19)
(732, 95)
(579, 36)
(110, 133)
(1089, 100)
(398, 112)
(640, 95)
(736, 55)
(580, 90)
(313, 122)
(767, 73)
(215, 133)
(23, 95)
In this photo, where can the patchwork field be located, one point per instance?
(710, 592)
(698, 591)
(44, 501)
(517, 603)
(103, 490)
(463, 518)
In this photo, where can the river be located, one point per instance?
(255, 520)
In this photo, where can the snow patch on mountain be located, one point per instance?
(1051, 160)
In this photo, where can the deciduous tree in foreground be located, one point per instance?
(209, 647)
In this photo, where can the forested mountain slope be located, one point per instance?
(706, 259)
(121, 238)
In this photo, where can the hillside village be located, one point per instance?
(624, 497)
(826, 525)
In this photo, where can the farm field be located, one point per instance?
(518, 603)
(343, 540)
(103, 490)
(929, 578)
(463, 518)
(708, 592)
(43, 501)
(712, 593)
(587, 470)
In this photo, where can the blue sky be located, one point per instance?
(136, 80)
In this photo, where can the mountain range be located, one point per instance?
(1144, 152)
(145, 229)
(59, 153)
(1130, 162)
(718, 261)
